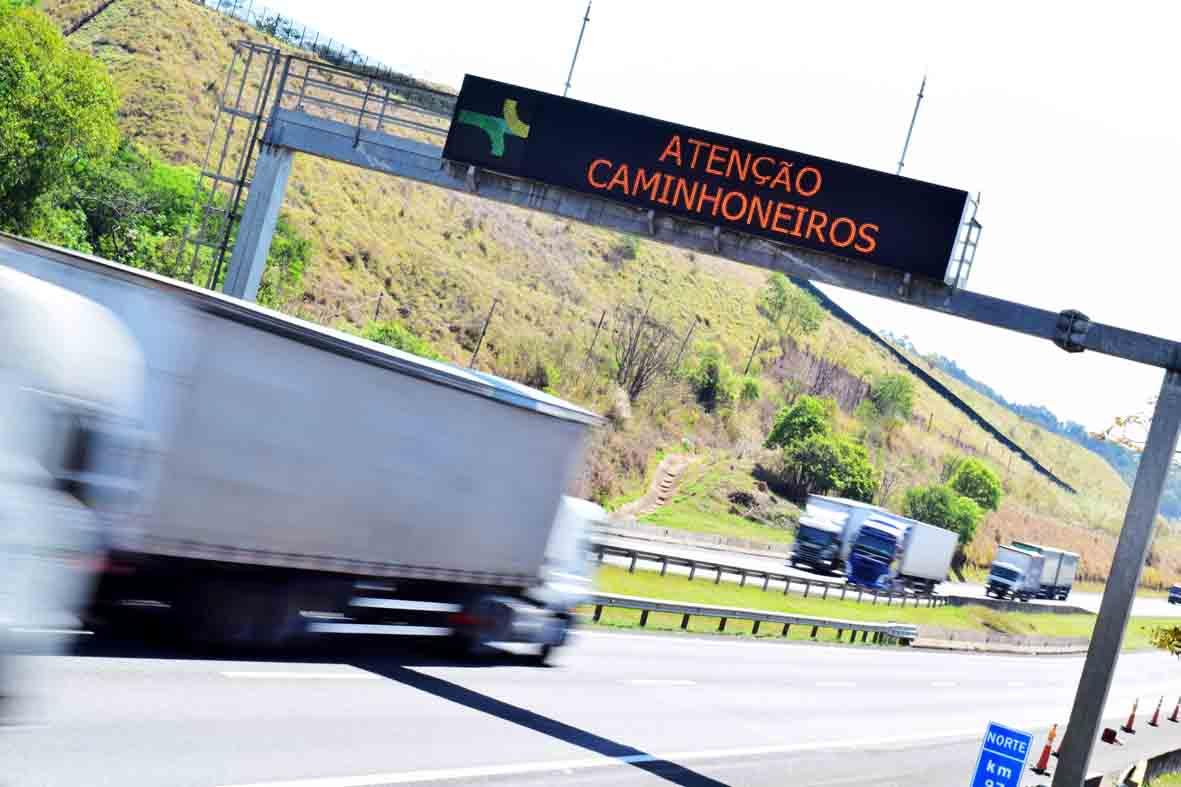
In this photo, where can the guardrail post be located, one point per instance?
(692, 570)
(840, 633)
(889, 599)
(602, 554)
(685, 621)
(598, 612)
(718, 578)
(786, 585)
(865, 636)
(742, 580)
(631, 568)
(843, 589)
(815, 629)
(643, 618)
(875, 598)
(722, 624)
(807, 587)
(755, 628)
(663, 566)
(766, 581)
(858, 595)
(825, 594)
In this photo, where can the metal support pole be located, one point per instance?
(1116, 606)
(484, 330)
(577, 46)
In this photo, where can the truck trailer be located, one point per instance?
(298, 479)
(1058, 570)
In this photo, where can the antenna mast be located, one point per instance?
(913, 117)
(577, 46)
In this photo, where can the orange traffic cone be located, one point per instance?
(1176, 710)
(1155, 720)
(1130, 727)
(1041, 768)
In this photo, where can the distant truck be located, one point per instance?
(296, 480)
(832, 526)
(1175, 594)
(893, 551)
(1058, 570)
(1015, 573)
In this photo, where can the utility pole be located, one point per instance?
(1116, 606)
(577, 46)
(484, 330)
(914, 116)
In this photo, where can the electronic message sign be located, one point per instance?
(777, 194)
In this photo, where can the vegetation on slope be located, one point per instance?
(570, 301)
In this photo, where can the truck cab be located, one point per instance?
(1175, 594)
(1004, 579)
(1015, 573)
(848, 515)
(873, 552)
(817, 544)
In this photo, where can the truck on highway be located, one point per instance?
(1015, 573)
(893, 551)
(1058, 570)
(834, 523)
(299, 480)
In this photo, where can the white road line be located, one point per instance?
(835, 684)
(262, 675)
(35, 630)
(660, 682)
(942, 684)
(522, 768)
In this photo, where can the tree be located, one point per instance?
(893, 396)
(712, 379)
(788, 308)
(828, 464)
(57, 111)
(941, 506)
(392, 333)
(645, 349)
(977, 481)
(809, 416)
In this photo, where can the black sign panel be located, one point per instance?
(778, 194)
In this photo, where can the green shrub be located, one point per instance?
(712, 379)
(979, 482)
(392, 333)
(828, 464)
(749, 391)
(809, 416)
(942, 506)
(893, 396)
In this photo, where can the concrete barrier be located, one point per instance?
(1008, 605)
(1140, 773)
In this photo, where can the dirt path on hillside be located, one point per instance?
(668, 475)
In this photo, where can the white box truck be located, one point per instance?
(1015, 573)
(1058, 570)
(847, 515)
(300, 479)
(925, 557)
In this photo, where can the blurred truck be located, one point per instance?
(824, 542)
(1015, 573)
(895, 552)
(305, 480)
(1058, 570)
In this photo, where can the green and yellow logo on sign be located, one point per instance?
(497, 127)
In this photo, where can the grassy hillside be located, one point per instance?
(436, 260)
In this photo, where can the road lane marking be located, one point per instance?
(942, 684)
(524, 768)
(835, 684)
(660, 682)
(275, 675)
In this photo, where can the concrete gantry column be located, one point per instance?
(258, 222)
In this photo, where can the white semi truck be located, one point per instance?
(1015, 573)
(297, 479)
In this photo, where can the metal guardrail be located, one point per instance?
(847, 592)
(883, 633)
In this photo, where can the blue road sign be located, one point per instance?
(1002, 757)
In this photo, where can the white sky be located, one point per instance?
(1065, 116)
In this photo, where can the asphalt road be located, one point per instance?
(617, 709)
(1143, 607)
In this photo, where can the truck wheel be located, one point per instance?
(543, 655)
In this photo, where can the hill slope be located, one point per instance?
(436, 260)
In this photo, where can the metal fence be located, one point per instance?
(881, 633)
(809, 587)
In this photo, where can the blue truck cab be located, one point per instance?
(1175, 594)
(874, 550)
